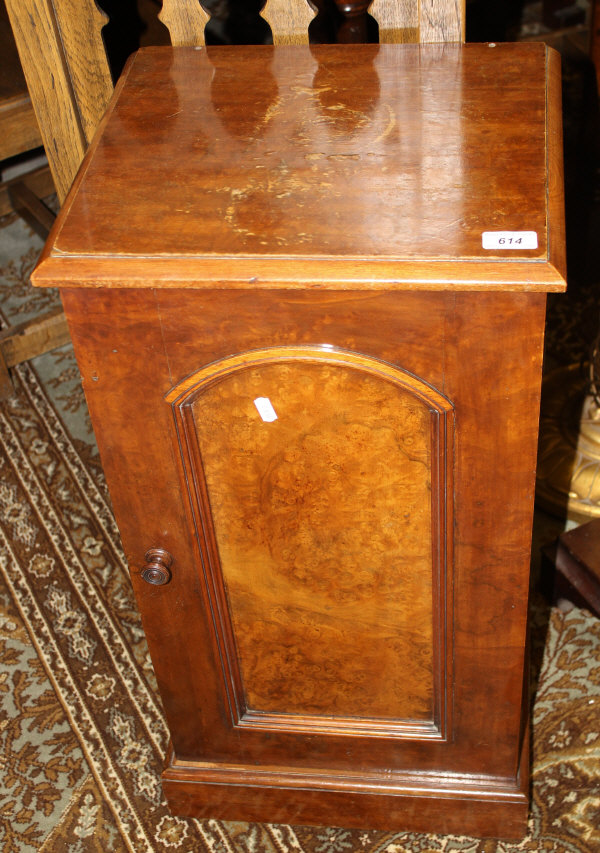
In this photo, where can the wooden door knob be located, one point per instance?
(157, 568)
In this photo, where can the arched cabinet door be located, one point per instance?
(318, 482)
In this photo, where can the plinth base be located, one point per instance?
(446, 804)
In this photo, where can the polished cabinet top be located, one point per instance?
(375, 166)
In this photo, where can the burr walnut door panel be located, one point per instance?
(317, 481)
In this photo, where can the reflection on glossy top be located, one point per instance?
(385, 153)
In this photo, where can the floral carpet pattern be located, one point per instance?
(82, 734)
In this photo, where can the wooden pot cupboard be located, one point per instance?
(306, 289)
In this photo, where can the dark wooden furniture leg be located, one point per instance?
(575, 560)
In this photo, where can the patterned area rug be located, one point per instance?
(82, 735)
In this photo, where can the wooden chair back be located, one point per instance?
(68, 75)
(18, 127)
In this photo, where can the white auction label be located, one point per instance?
(509, 240)
(265, 409)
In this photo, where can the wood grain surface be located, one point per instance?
(348, 457)
(68, 78)
(185, 21)
(289, 21)
(19, 130)
(343, 634)
(405, 21)
(374, 164)
(481, 351)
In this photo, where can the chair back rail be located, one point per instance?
(289, 20)
(67, 73)
(185, 21)
(405, 21)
